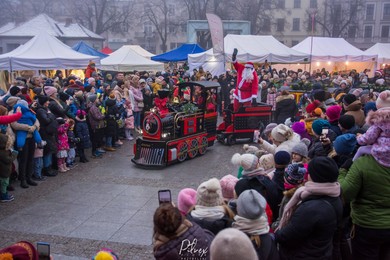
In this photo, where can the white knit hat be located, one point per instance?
(209, 193)
(383, 99)
(282, 133)
(247, 161)
(267, 161)
(232, 244)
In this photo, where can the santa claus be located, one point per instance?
(247, 84)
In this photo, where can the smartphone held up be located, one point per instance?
(164, 196)
(43, 250)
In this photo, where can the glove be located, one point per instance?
(347, 164)
(234, 56)
(254, 102)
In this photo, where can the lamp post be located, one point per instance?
(313, 16)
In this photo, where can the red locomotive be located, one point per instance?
(174, 132)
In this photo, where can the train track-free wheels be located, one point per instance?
(182, 150)
(230, 140)
(203, 143)
(193, 148)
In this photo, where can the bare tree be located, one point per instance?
(10, 11)
(102, 15)
(335, 16)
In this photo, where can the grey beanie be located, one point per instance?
(269, 128)
(92, 98)
(251, 205)
(301, 149)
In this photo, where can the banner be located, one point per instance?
(216, 31)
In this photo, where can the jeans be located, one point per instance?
(71, 155)
(38, 165)
(109, 141)
(4, 182)
(370, 244)
(47, 160)
(137, 119)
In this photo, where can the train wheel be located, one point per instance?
(193, 148)
(203, 143)
(230, 140)
(182, 149)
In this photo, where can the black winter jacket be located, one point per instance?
(214, 226)
(309, 233)
(48, 128)
(285, 108)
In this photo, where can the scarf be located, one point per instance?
(160, 240)
(252, 226)
(257, 172)
(208, 213)
(310, 188)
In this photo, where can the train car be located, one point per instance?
(187, 129)
(243, 123)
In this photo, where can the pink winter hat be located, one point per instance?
(186, 199)
(383, 99)
(228, 182)
(299, 127)
(333, 113)
(50, 91)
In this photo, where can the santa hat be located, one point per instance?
(249, 65)
(379, 72)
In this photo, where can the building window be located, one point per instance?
(313, 3)
(280, 25)
(267, 4)
(148, 28)
(352, 31)
(296, 24)
(281, 4)
(293, 43)
(368, 31)
(297, 3)
(386, 12)
(370, 11)
(385, 31)
(171, 9)
(267, 25)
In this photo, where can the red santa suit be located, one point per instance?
(245, 89)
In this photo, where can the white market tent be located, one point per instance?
(126, 59)
(254, 48)
(335, 54)
(141, 51)
(382, 50)
(333, 50)
(44, 52)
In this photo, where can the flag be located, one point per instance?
(216, 31)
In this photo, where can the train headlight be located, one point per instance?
(165, 135)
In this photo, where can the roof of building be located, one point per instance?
(43, 22)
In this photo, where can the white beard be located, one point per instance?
(247, 74)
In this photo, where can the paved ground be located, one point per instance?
(107, 202)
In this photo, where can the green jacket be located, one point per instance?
(367, 186)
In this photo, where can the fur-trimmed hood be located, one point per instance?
(380, 116)
(283, 97)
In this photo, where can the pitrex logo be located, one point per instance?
(189, 250)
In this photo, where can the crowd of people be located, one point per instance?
(315, 186)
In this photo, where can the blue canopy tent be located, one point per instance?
(179, 54)
(86, 49)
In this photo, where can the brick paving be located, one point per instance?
(107, 202)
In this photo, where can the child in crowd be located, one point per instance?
(72, 140)
(82, 132)
(6, 160)
(129, 120)
(299, 153)
(38, 164)
(62, 147)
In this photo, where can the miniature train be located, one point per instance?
(187, 130)
(188, 126)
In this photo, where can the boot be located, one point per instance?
(6, 197)
(61, 168)
(66, 167)
(48, 171)
(23, 184)
(31, 182)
